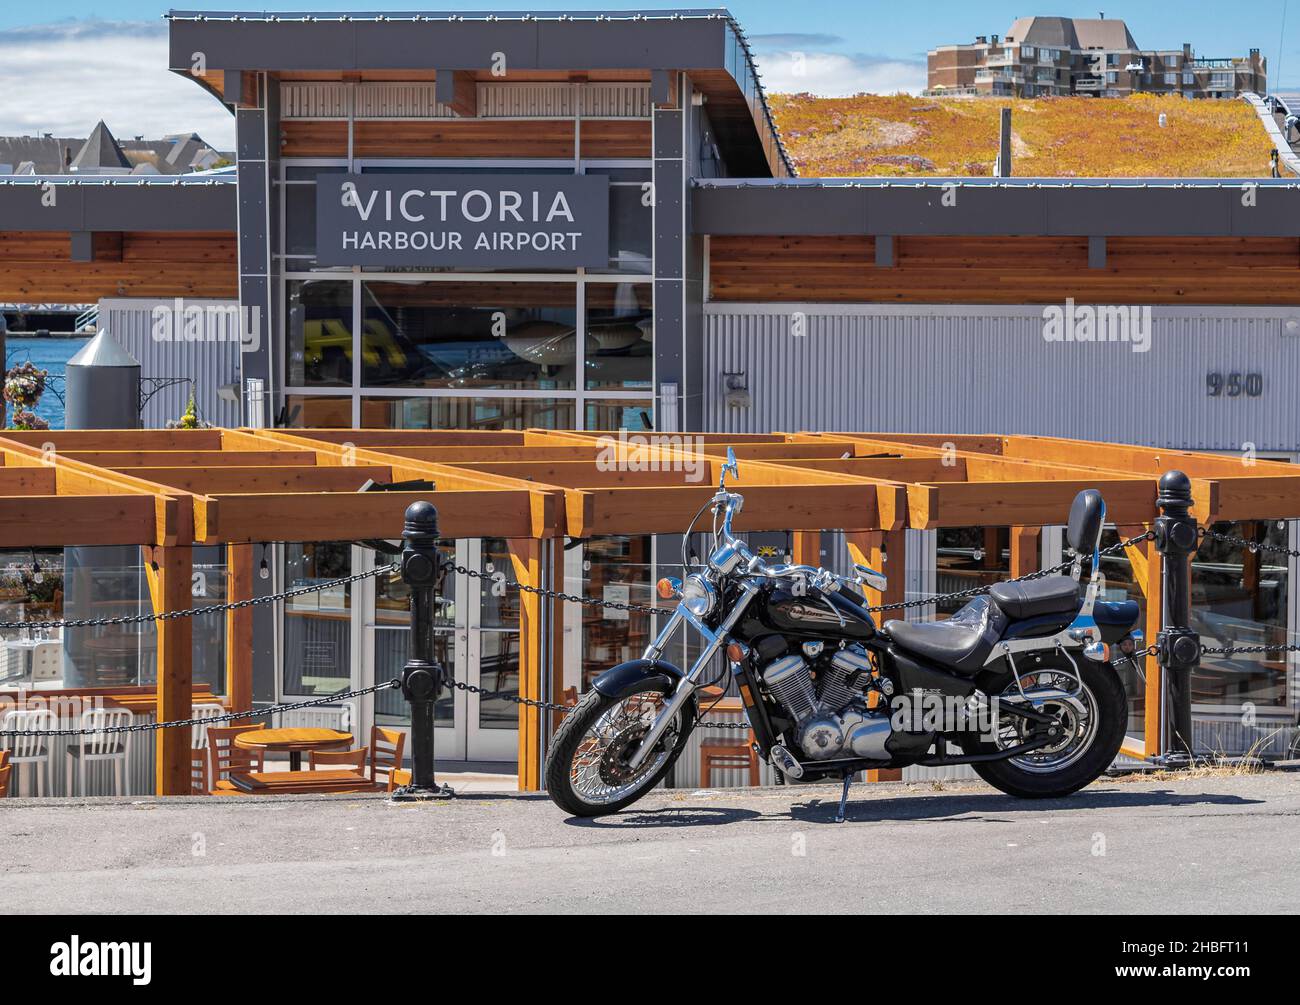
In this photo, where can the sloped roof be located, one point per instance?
(1103, 33)
(45, 152)
(100, 151)
(1050, 31)
(1072, 32)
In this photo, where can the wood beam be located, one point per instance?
(1026, 550)
(806, 547)
(525, 557)
(169, 570)
(978, 504)
(255, 478)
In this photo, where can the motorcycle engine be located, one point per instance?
(831, 714)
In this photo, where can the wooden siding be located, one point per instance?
(38, 266)
(1001, 270)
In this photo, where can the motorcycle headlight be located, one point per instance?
(698, 595)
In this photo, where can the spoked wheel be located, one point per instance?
(587, 768)
(1090, 720)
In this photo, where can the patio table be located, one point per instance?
(298, 782)
(295, 740)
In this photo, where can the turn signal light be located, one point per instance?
(669, 588)
(737, 653)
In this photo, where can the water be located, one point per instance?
(50, 354)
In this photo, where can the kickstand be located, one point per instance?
(844, 798)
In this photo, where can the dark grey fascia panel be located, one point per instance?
(114, 207)
(1050, 209)
(1133, 212)
(953, 210)
(686, 43)
(794, 210)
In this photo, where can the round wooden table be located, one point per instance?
(295, 741)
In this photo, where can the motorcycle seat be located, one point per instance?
(1034, 597)
(962, 642)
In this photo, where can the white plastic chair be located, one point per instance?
(338, 717)
(207, 710)
(35, 750)
(97, 746)
(47, 661)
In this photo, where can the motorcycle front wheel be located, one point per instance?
(587, 771)
(1092, 718)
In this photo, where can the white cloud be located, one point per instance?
(62, 78)
(833, 75)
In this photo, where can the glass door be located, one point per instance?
(391, 647)
(492, 637)
(478, 642)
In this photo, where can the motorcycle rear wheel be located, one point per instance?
(1052, 774)
(586, 771)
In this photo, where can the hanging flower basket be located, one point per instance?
(23, 386)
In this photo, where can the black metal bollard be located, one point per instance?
(422, 676)
(1179, 647)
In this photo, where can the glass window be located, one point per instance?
(304, 411)
(1239, 598)
(635, 415)
(615, 568)
(515, 336)
(317, 625)
(1171, 78)
(318, 333)
(467, 413)
(620, 335)
(967, 557)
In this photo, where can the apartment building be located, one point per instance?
(1054, 56)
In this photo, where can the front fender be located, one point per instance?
(628, 678)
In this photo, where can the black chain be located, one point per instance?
(1251, 546)
(550, 706)
(191, 612)
(208, 720)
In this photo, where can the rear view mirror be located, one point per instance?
(730, 466)
(865, 575)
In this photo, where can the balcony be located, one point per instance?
(1088, 83)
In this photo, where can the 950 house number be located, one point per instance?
(1234, 385)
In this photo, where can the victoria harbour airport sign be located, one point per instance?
(476, 220)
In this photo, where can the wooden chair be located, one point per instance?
(399, 778)
(4, 780)
(224, 757)
(728, 754)
(336, 758)
(386, 747)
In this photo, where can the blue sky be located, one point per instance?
(66, 63)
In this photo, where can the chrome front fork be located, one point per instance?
(689, 684)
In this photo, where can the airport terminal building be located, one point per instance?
(588, 221)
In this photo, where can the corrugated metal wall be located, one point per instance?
(963, 369)
(209, 362)
(404, 100)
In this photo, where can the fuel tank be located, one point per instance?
(810, 614)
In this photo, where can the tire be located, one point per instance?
(564, 746)
(1111, 709)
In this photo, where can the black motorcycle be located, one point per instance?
(1019, 683)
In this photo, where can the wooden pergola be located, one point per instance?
(170, 490)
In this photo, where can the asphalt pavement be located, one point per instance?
(1225, 844)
